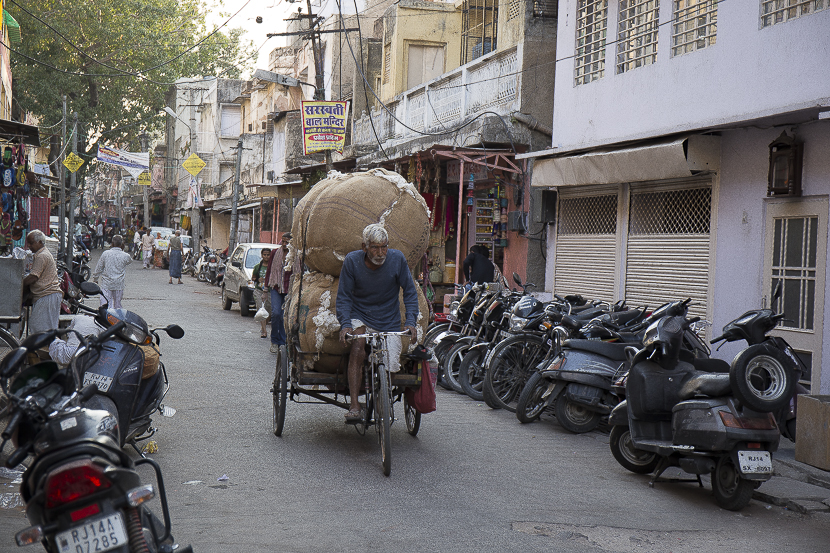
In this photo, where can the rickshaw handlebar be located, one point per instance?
(373, 334)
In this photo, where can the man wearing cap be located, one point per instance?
(278, 280)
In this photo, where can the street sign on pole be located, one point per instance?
(73, 162)
(144, 179)
(193, 164)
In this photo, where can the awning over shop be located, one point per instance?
(677, 158)
(281, 190)
(19, 133)
(12, 27)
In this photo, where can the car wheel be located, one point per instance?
(244, 302)
(226, 301)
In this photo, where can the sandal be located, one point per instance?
(356, 415)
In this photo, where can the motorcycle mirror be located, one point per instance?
(37, 341)
(517, 279)
(12, 361)
(776, 293)
(90, 288)
(174, 331)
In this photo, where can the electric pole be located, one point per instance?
(146, 191)
(235, 200)
(195, 217)
(62, 208)
(72, 191)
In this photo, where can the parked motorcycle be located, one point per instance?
(131, 379)
(675, 415)
(80, 260)
(71, 293)
(81, 490)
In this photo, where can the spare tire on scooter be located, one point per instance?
(763, 378)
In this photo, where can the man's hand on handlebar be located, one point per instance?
(344, 335)
(412, 331)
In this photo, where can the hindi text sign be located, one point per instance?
(324, 126)
(73, 162)
(193, 164)
(144, 178)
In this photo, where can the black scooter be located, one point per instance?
(81, 489)
(130, 383)
(675, 415)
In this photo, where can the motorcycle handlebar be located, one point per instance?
(14, 422)
(17, 457)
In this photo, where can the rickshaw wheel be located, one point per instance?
(413, 417)
(383, 420)
(280, 390)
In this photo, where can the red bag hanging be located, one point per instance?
(422, 399)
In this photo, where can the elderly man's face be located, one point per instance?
(376, 252)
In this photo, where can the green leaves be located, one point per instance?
(124, 55)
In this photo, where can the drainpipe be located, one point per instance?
(532, 123)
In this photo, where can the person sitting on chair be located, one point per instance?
(367, 301)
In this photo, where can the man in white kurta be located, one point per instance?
(111, 269)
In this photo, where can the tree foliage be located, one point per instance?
(151, 38)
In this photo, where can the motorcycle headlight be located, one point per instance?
(517, 323)
(130, 332)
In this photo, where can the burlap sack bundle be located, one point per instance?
(337, 209)
(319, 330)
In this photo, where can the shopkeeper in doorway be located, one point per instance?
(478, 268)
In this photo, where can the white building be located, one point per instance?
(664, 119)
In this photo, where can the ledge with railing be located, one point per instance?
(489, 83)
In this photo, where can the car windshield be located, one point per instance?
(253, 257)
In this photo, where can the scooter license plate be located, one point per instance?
(97, 535)
(102, 381)
(755, 462)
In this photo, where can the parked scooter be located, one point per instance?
(81, 489)
(675, 415)
(132, 381)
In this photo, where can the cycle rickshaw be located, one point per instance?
(296, 380)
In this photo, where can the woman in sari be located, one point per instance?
(175, 252)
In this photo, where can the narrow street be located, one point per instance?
(473, 480)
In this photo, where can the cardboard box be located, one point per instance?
(812, 443)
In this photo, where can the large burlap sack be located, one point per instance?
(318, 328)
(330, 219)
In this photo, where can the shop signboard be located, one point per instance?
(324, 126)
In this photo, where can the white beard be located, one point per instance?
(377, 260)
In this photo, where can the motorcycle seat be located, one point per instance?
(612, 350)
(705, 384)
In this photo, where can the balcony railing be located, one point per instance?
(489, 83)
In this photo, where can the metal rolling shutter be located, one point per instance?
(586, 245)
(667, 253)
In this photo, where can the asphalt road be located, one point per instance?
(474, 479)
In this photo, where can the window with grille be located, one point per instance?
(513, 9)
(794, 265)
(387, 63)
(673, 212)
(588, 215)
(479, 28)
(591, 31)
(779, 11)
(545, 8)
(694, 25)
(637, 38)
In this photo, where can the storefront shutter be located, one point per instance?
(586, 245)
(668, 253)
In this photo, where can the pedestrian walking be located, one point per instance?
(175, 253)
(111, 269)
(261, 295)
(137, 243)
(44, 284)
(99, 234)
(278, 279)
(147, 245)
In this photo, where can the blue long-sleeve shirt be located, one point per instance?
(372, 295)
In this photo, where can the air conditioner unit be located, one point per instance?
(516, 220)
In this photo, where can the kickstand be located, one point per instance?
(661, 468)
(135, 447)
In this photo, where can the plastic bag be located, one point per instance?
(261, 314)
(422, 399)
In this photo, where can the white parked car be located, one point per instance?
(237, 285)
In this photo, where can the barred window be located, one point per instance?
(479, 28)
(513, 9)
(387, 63)
(779, 11)
(673, 212)
(545, 8)
(591, 31)
(588, 215)
(637, 42)
(694, 25)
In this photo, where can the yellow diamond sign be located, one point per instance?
(193, 164)
(73, 162)
(144, 179)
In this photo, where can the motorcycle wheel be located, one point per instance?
(511, 364)
(575, 417)
(628, 456)
(762, 378)
(439, 353)
(226, 301)
(432, 333)
(732, 492)
(452, 365)
(531, 404)
(471, 374)
(280, 391)
(201, 277)
(84, 272)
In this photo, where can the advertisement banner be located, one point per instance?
(134, 163)
(324, 126)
